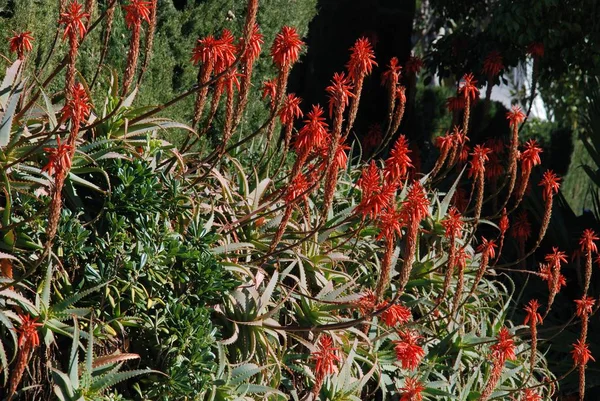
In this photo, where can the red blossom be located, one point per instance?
(445, 142)
(286, 47)
(269, 90)
(401, 94)
(585, 306)
(297, 188)
(206, 50)
(375, 196)
(494, 168)
(290, 109)
(505, 348)
(412, 390)
(515, 116)
(326, 358)
(556, 258)
(587, 241)
(225, 55)
(453, 223)
(28, 331)
(416, 204)
(551, 184)
(339, 92)
(72, 19)
(581, 354)
(455, 103)
(413, 65)
(21, 43)
(373, 137)
(531, 395)
(313, 135)
(493, 64)
(407, 349)
(391, 75)
(530, 156)
(59, 158)
(395, 314)
(136, 12)
(487, 248)
(521, 228)
(390, 223)
(78, 104)
(397, 165)
(468, 87)
(254, 44)
(504, 223)
(533, 317)
(362, 59)
(367, 302)
(460, 139)
(479, 157)
(536, 49)
(546, 274)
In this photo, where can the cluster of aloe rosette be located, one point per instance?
(362, 277)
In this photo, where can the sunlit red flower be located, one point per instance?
(397, 165)
(531, 395)
(479, 157)
(487, 248)
(455, 103)
(375, 196)
(391, 75)
(136, 12)
(395, 315)
(445, 142)
(546, 274)
(536, 49)
(20, 43)
(413, 65)
(493, 64)
(412, 390)
(585, 306)
(59, 158)
(206, 51)
(530, 156)
(339, 92)
(453, 223)
(72, 19)
(367, 302)
(290, 110)
(252, 51)
(28, 331)
(587, 241)
(286, 47)
(533, 317)
(505, 348)
(416, 204)
(515, 116)
(269, 90)
(401, 94)
(468, 87)
(556, 258)
(408, 351)
(390, 223)
(313, 135)
(340, 161)
(326, 358)
(581, 354)
(78, 104)
(225, 55)
(298, 187)
(460, 138)
(551, 184)
(362, 59)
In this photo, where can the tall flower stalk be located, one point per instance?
(588, 245)
(28, 342)
(75, 29)
(503, 350)
(362, 61)
(135, 13)
(533, 318)
(551, 184)
(468, 90)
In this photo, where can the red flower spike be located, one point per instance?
(585, 306)
(395, 315)
(412, 390)
(367, 302)
(59, 158)
(72, 19)
(290, 110)
(286, 47)
(339, 92)
(551, 184)
(536, 49)
(493, 64)
(401, 94)
(521, 228)
(530, 156)
(587, 241)
(226, 51)
(28, 331)
(533, 317)
(391, 75)
(478, 160)
(455, 103)
(407, 349)
(206, 51)
(297, 188)
(468, 87)
(254, 45)
(547, 275)
(416, 204)
(445, 142)
(504, 222)
(313, 135)
(487, 248)
(269, 90)
(397, 165)
(413, 65)
(362, 59)
(556, 258)
(505, 348)
(78, 105)
(531, 395)
(390, 223)
(453, 223)
(326, 358)
(21, 43)
(136, 12)
(515, 116)
(581, 354)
